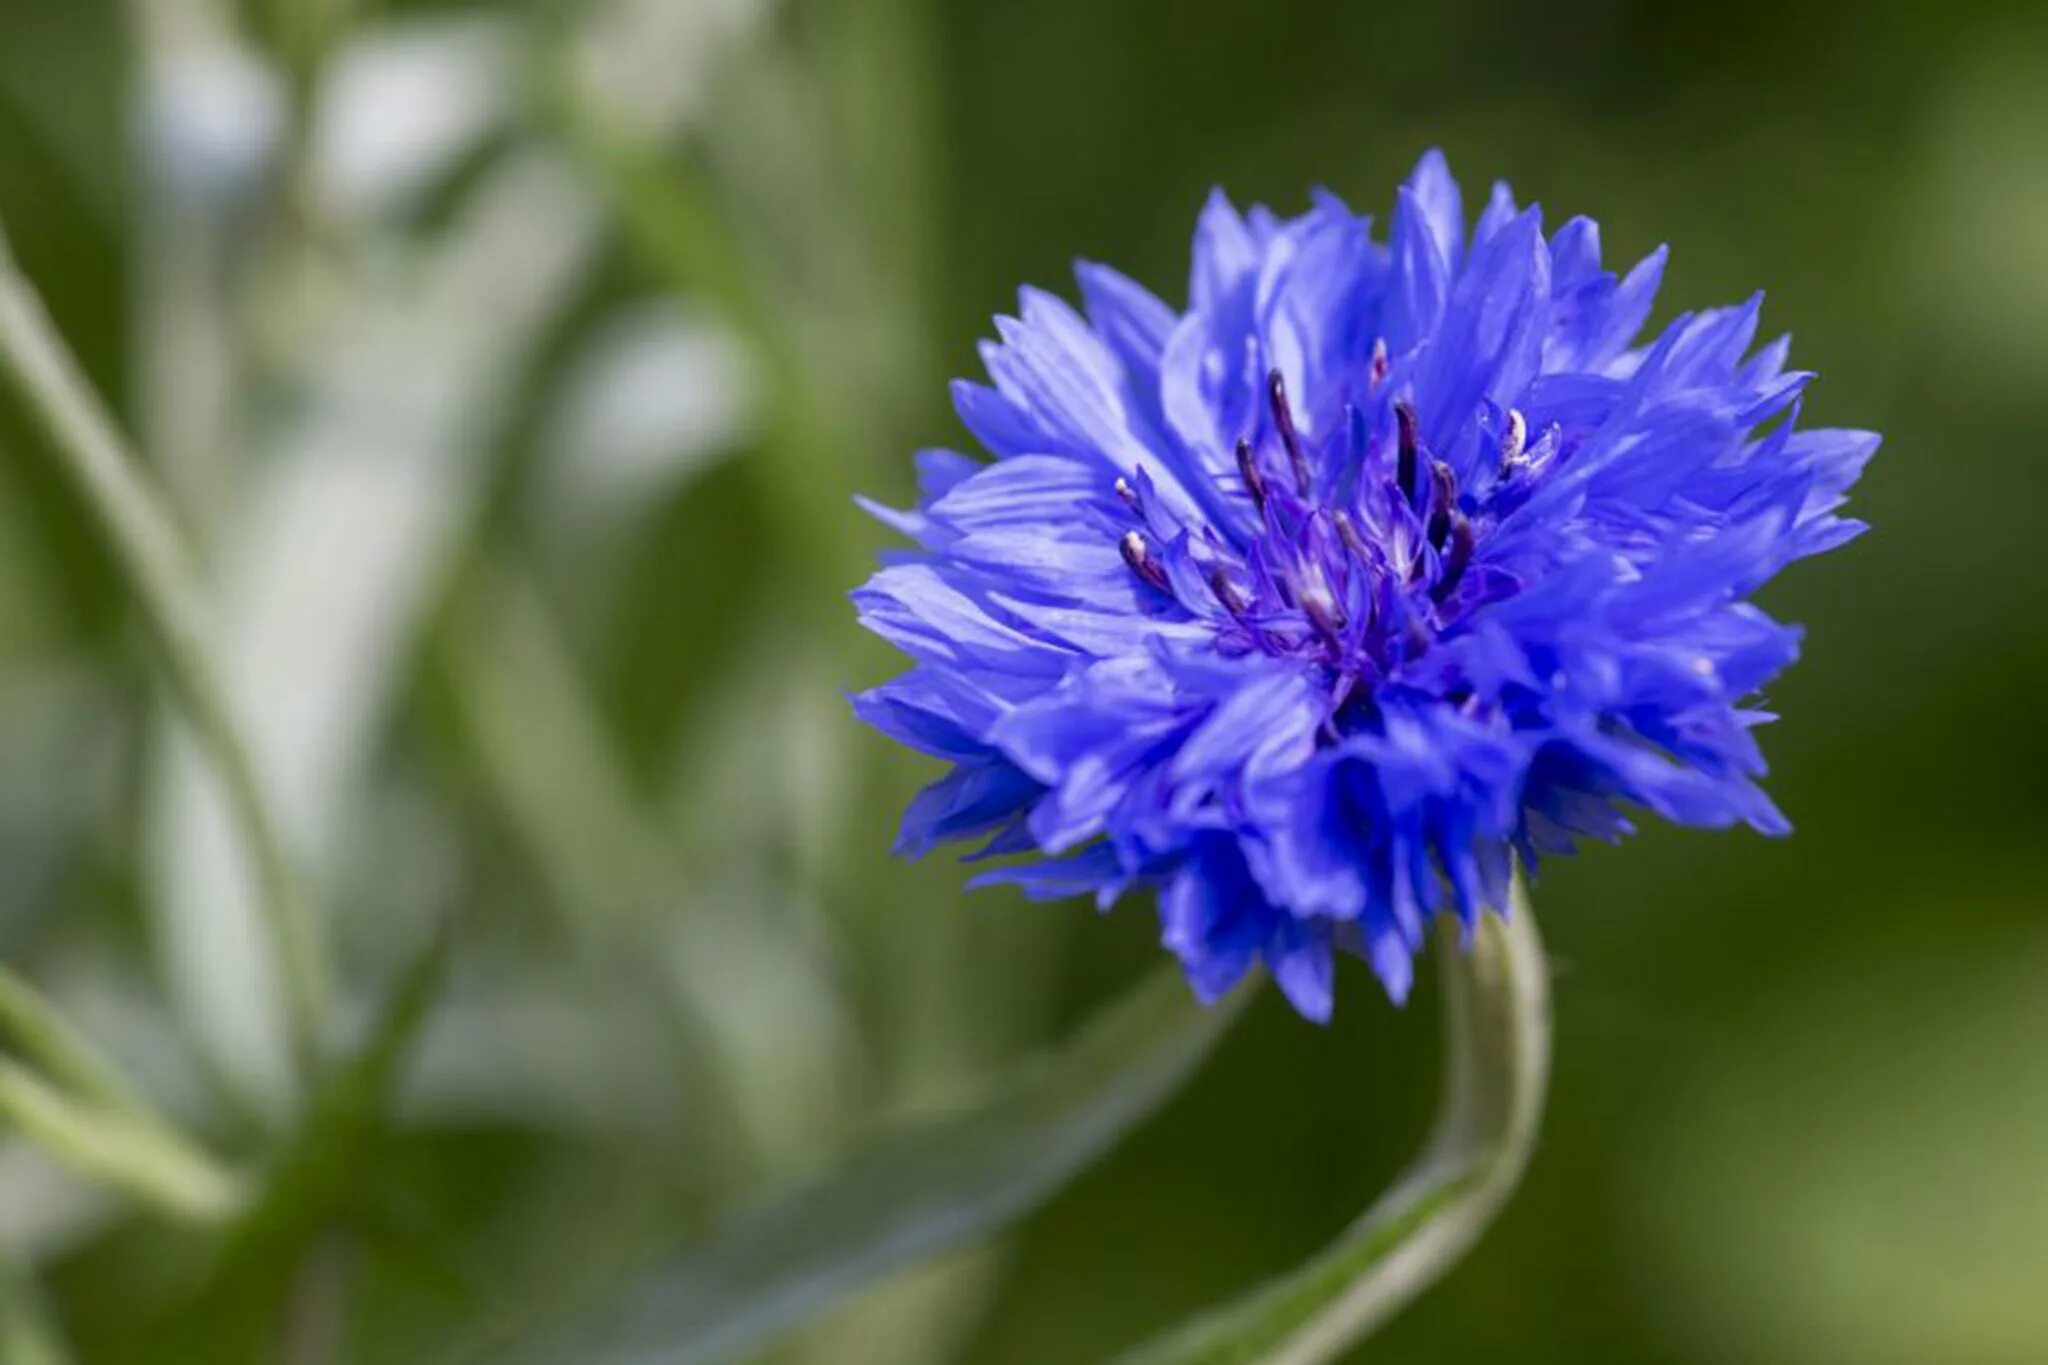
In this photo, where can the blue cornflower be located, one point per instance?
(1316, 605)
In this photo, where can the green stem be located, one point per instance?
(67, 1095)
(1496, 996)
(138, 1155)
(43, 1036)
(157, 564)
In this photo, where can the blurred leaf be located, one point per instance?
(753, 1005)
(927, 1313)
(545, 757)
(210, 119)
(688, 235)
(66, 745)
(62, 103)
(120, 1149)
(403, 102)
(46, 1207)
(926, 1189)
(1497, 1063)
(210, 137)
(344, 529)
(118, 1146)
(653, 64)
(655, 396)
(40, 1033)
(309, 1187)
(159, 567)
(882, 63)
(60, 66)
(27, 1336)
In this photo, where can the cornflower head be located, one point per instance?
(1316, 606)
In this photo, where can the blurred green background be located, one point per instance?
(514, 366)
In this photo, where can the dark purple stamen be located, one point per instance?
(1227, 592)
(1376, 371)
(1404, 467)
(1416, 640)
(1323, 612)
(1141, 561)
(1125, 493)
(1445, 501)
(1361, 591)
(1456, 562)
(1347, 532)
(1248, 470)
(1283, 423)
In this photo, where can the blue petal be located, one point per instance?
(1087, 872)
(1225, 257)
(1306, 972)
(1129, 318)
(1441, 207)
(1490, 338)
(1027, 490)
(1420, 279)
(916, 609)
(972, 799)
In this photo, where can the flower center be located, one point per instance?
(1347, 558)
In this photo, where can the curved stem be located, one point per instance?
(32, 1026)
(157, 565)
(1496, 1000)
(64, 1093)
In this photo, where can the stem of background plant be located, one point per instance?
(133, 1153)
(32, 1028)
(64, 1093)
(157, 564)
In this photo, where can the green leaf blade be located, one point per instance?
(922, 1191)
